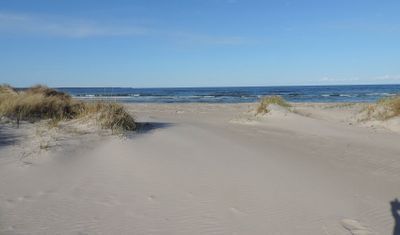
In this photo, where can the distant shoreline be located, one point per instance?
(206, 87)
(314, 94)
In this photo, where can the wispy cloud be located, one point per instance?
(363, 25)
(388, 78)
(339, 80)
(377, 79)
(196, 38)
(26, 24)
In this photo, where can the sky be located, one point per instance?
(186, 43)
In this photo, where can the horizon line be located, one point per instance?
(183, 87)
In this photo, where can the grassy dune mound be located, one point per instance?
(110, 115)
(40, 103)
(6, 89)
(36, 103)
(384, 109)
(268, 100)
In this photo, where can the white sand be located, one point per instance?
(206, 169)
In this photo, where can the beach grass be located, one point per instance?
(42, 103)
(268, 100)
(110, 115)
(384, 109)
(392, 105)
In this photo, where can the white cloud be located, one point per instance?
(357, 80)
(388, 78)
(330, 79)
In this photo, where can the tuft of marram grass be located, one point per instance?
(40, 102)
(36, 103)
(47, 92)
(6, 89)
(111, 116)
(384, 109)
(267, 100)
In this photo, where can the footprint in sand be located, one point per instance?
(10, 202)
(355, 227)
(237, 211)
(24, 198)
(151, 198)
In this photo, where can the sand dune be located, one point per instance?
(207, 169)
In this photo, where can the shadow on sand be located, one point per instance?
(6, 136)
(395, 208)
(147, 127)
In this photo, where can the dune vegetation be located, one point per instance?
(109, 115)
(268, 100)
(42, 103)
(384, 108)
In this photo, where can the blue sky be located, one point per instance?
(199, 42)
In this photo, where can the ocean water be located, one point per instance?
(345, 93)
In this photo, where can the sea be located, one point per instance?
(341, 93)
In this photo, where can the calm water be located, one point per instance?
(353, 93)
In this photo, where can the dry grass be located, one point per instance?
(40, 102)
(267, 100)
(7, 89)
(392, 105)
(36, 103)
(109, 115)
(384, 109)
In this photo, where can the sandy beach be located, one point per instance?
(204, 169)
